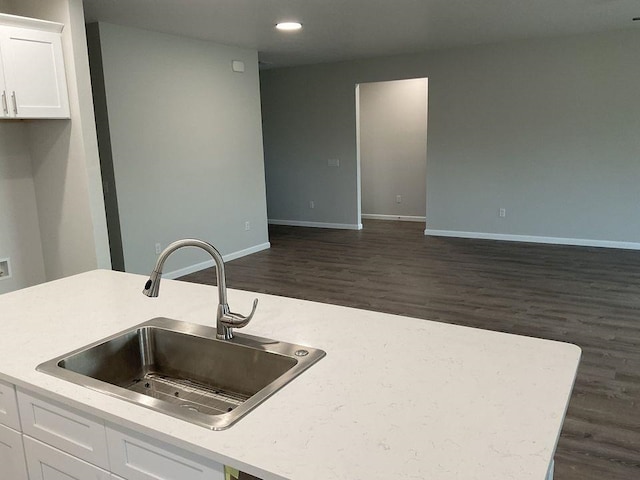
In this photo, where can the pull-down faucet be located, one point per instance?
(225, 319)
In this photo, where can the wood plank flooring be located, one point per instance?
(586, 296)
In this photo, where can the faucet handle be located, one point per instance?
(253, 310)
(228, 320)
(235, 320)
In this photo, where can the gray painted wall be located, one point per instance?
(49, 171)
(186, 143)
(546, 129)
(65, 160)
(19, 230)
(104, 147)
(393, 147)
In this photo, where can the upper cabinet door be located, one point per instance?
(35, 80)
(4, 102)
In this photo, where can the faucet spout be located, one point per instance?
(225, 319)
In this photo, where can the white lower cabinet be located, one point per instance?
(9, 406)
(12, 464)
(138, 459)
(72, 432)
(61, 443)
(47, 463)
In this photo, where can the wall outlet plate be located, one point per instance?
(5, 269)
(333, 162)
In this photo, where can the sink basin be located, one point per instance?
(183, 370)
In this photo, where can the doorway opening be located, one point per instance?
(391, 138)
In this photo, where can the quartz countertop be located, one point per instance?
(395, 397)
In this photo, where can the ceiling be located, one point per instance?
(337, 30)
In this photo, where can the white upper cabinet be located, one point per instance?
(4, 113)
(33, 83)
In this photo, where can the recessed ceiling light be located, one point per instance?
(289, 26)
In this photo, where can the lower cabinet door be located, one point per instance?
(8, 406)
(73, 432)
(136, 458)
(48, 463)
(12, 464)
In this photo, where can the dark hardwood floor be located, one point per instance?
(586, 296)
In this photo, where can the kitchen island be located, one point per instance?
(395, 397)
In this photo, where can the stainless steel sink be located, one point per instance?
(181, 369)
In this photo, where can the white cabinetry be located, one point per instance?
(11, 455)
(71, 432)
(48, 463)
(12, 463)
(8, 406)
(63, 444)
(138, 459)
(32, 76)
(4, 112)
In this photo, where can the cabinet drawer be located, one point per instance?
(137, 459)
(71, 432)
(12, 464)
(47, 463)
(8, 406)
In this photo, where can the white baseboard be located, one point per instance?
(247, 251)
(534, 239)
(298, 223)
(401, 218)
(210, 263)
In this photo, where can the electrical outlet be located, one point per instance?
(158, 248)
(4, 268)
(333, 162)
(247, 226)
(398, 198)
(502, 212)
(312, 204)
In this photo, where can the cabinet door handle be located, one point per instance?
(5, 107)
(15, 103)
